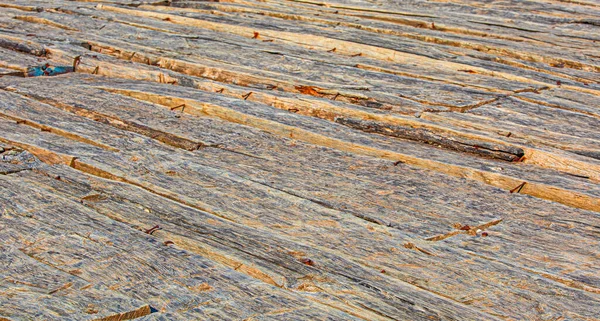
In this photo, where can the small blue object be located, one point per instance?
(36, 71)
(47, 70)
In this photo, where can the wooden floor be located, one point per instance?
(300, 160)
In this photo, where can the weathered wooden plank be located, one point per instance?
(141, 281)
(312, 126)
(480, 148)
(102, 251)
(32, 290)
(283, 149)
(332, 94)
(319, 127)
(183, 186)
(153, 208)
(534, 123)
(519, 49)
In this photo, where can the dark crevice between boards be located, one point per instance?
(16, 44)
(450, 108)
(485, 149)
(50, 157)
(12, 171)
(57, 131)
(329, 206)
(163, 137)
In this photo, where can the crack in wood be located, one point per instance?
(163, 137)
(366, 218)
(33, 19)
(497, 151)
(59, 132)
(20, 45)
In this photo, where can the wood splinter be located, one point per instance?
(153, 229)
(412, 246)
(162, 79)
(182, 106)
(246, 96)
(518, 188)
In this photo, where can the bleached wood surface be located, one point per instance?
(304, 160)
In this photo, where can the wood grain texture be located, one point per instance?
(300, 160)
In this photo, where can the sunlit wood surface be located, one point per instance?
(300, 160)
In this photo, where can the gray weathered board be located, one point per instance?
(300, 160)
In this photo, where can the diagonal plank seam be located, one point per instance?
(59, 132)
